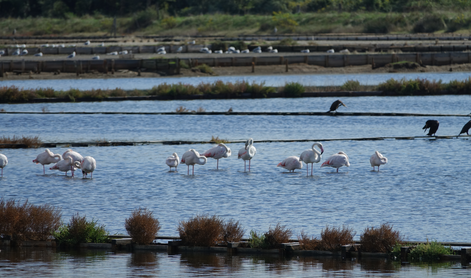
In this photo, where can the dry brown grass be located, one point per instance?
(217, 140)
(200, 110)
(30, 142)
(308, 243)
(182, 109)
(24, 221)
(232, 231)
(142, 226)
(382, 239)
(276, 236)
(332, 238)
(201, 230)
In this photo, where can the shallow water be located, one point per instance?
(421, 191)
(268, 80)
(31, 262)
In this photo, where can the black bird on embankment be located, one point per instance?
(433, 125)
(336, 104)
(465, 128)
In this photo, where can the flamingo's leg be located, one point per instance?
(249, 164)
(188, 170)
(307, 169)
(217, 167)
(44, 170)
(193, 169)
(245, 165)
(337, 170)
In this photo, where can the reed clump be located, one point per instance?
(79, 230)
(332, 238)
(24, 221)
(142, 226)
(270, 239)
(232, 231)
(381, 239)
(28, 141)
(201, 230)
(217, 140)
(308, 243)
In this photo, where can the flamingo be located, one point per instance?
(247, 152)
(335, 105)
(75, 157)
(291, 163)
(192, 157)
(312, 156)
(433, 125)
(87, 165)
(65, 165)
(172, 161)
(3, 162)
(337, 160)
(218, 152)
(47, 157)
(377, 159)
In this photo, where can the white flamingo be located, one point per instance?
(87, 165)
(247, 153)
(192, 157)
(312, 156)
(172, 161)
(218, 152)
(65, 165)
(47, 157)
(3, 162)
(291, 163)
(377, 159)
(337, 160)
(75, 156)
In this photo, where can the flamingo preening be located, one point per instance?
(192, 157)
(76, 157)
(218, 152)
(312, 156)
(291, 163)
(172, 161)
(247, 153)
(336, 161)
(87, 165)
(377, 159)
(3, 162)
(65, 165)
(47, 157)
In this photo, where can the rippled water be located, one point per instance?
(269, 80)
(421, 191)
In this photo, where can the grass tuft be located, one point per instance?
(29, 141)
(217, 140)
(79, 230)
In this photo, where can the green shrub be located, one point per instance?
(351, 85)
(204, 69)
(142, 226)
(271, 239)
(257, 241)
(429, 24)
(429, 252)
(293, 89)
(79, 230)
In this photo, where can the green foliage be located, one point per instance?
(409, 87)
(169, 22)
(271, 239)
(284, 21)
(293, 89)
(351, 85)
(429, 252)
(288, 41)
(204, 69)
(79, 230)
(257, 241)
(429, 24)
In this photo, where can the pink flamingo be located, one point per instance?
(172, 161)
(192, 157)
(291, 163)
(337, 160)
(76, 157)
(3, 162)
(65, 165)
(377, 159)
(312, 156)
(247, 153)
(218, 152)
(47, 157)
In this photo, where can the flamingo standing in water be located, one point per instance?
(47, 157)
(218, 152)
(76, 157)
(291, 163)
(172, 161)
(3, 162)
(337, 160)
(192, 157)
(87, 165)
(247, 153)
(377, 159)
(65, 165)
(312, 156)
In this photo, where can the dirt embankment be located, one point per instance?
(259, 70)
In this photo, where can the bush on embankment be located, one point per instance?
(24, 221)
(271, 239)
(142, 226)
(79, 230)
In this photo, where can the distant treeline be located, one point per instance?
(67, 8)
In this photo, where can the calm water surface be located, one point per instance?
(268, 80)
(421, 191)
